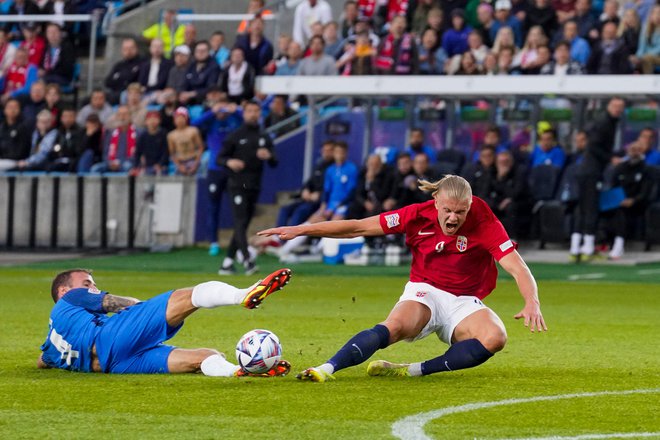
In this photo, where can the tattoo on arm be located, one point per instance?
(114, 303)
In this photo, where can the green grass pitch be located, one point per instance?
(603, 337)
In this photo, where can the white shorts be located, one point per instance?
(447, 310)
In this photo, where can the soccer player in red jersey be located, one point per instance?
(454, 239)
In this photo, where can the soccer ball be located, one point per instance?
(258, 351)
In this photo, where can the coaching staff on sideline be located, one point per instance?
(243, 154)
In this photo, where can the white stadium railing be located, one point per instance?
(454, 88)
(586, 86)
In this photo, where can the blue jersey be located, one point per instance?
(653, 158)
(216, 130)
(74, 324)
(555, 156)
(339, 185)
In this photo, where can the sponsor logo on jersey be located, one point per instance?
(421, 294)
(461, 243)
(262, 142)
(425, 233)
(392, 220)
(440, 246)
(506, 245)
(243, 141)
(94, 290)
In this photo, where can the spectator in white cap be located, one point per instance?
(503, 18)
(177, 74)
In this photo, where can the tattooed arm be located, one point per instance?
(114, 303)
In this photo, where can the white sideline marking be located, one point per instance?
(586, 276)
(597, 436)
(648, 271)
(412, 427)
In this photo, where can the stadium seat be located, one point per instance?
(543, 181)
(444, 168)
(73, 86)
(555, 217)
(553, 223)
(652, 220)
(652, 225)
(548, 214)
(451, 158)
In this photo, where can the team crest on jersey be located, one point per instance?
(461, 243)
(392, 220)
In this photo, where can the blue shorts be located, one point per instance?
(131, 341)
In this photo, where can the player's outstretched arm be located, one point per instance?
(531, 313)
(114, 303)
(367, 227)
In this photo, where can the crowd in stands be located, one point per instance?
(476, 37)
(159, 112)
(183, 69)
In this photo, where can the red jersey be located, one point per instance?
(35, 50)
(462, 264)
(15, 77)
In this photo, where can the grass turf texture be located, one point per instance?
(603, 336)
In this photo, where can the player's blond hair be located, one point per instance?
(454, 186)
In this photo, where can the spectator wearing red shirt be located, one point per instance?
(455, 240)
(397, 52)
(33, 43)
(20, 76)
(565, 9)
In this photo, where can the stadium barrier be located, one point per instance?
(68, 211)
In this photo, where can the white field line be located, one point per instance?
(586, 276)
(412, 427)
(648, 271)
(596, 436)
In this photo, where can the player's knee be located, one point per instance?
(200, 355)
(494, 340)
(396, 329)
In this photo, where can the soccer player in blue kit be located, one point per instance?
(82, 337)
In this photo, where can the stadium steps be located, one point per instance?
(99, 73)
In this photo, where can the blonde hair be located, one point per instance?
(454, 186)
(498, 43)
(623, 25)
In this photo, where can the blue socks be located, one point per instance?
(360, 347)
(464, 354)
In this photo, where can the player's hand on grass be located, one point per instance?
(284, 232)
(533, 318)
